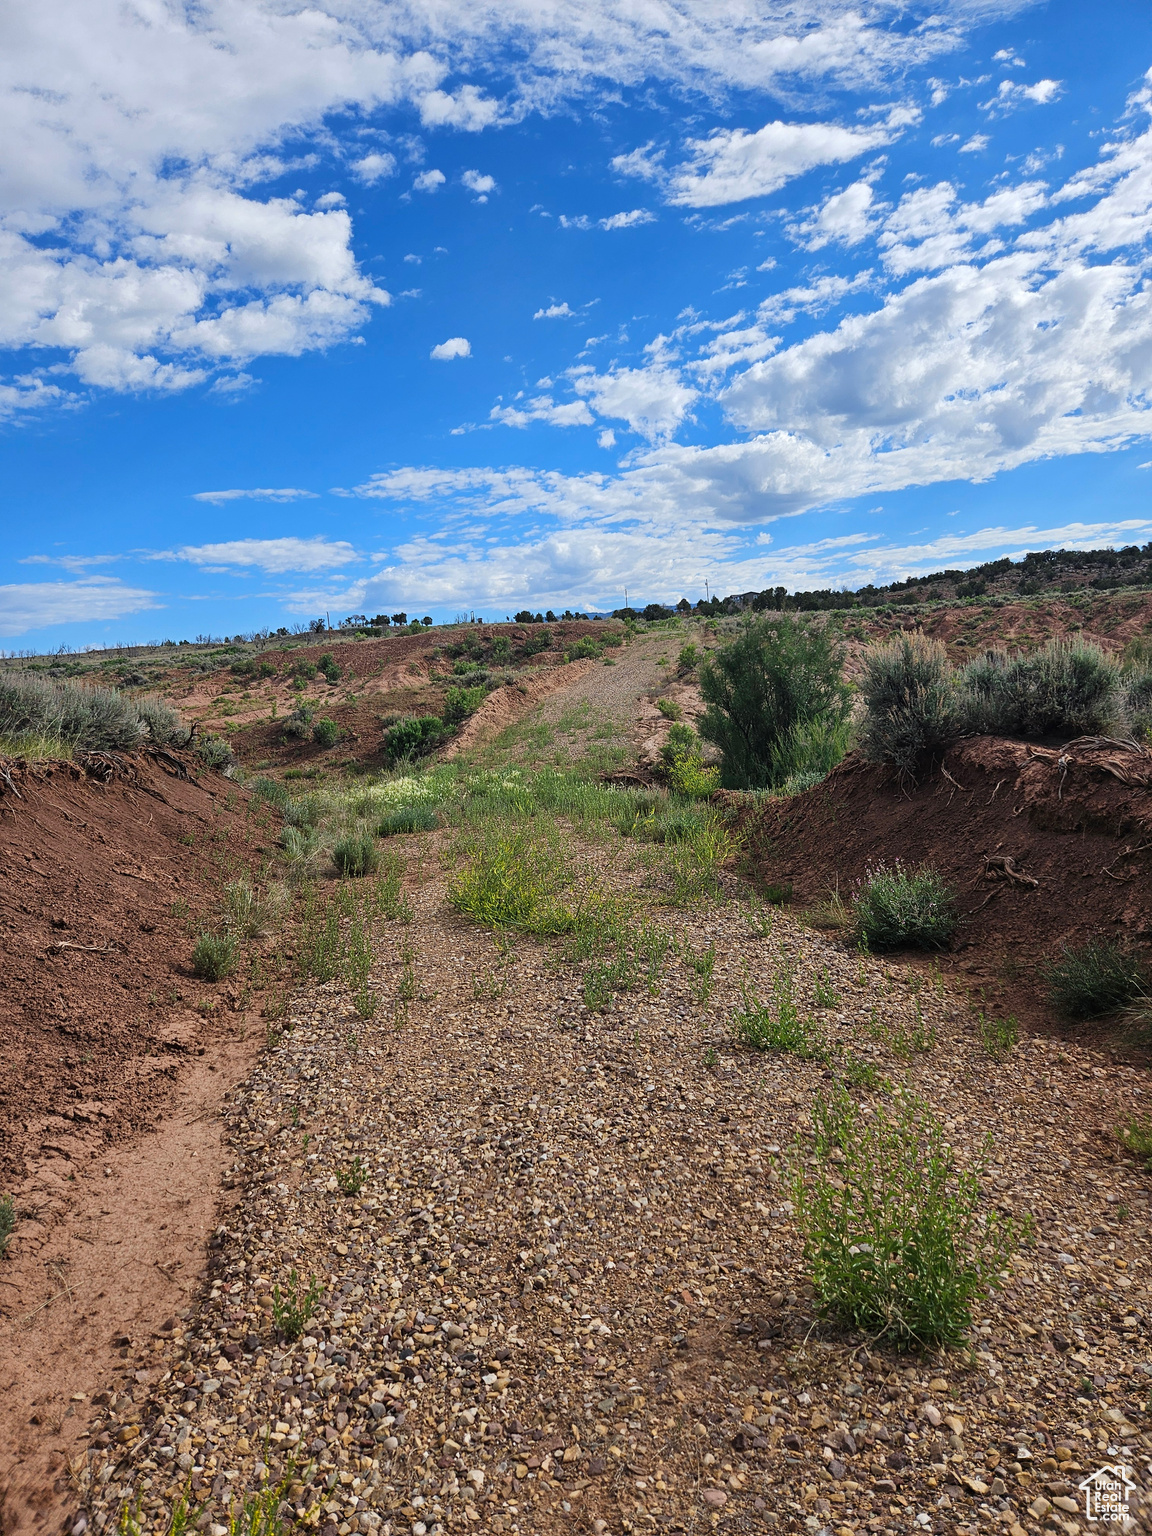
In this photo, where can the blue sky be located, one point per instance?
(471, 305)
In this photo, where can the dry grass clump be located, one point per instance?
(42, 717)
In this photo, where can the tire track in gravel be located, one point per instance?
(569, 1296)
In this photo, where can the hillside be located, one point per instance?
(503, 1217)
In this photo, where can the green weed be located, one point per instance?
(824, 994)
(292, 1307)
(1088, 980)
(355, 856)
(778, 1025)
(703, 964)
(7, 1222)
(898, 1239)
(351, 1180)
(1136, 1136)
(997, 1036)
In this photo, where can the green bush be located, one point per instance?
(356, 855)
(585, 649)
(1088, 980)
(215, 752)
(669, 709)
(164, 725)
(407, 818)
(897, 1236)
(777, 675)
(1067, 688)
(898, 908)
(910, 702)
(459, 703)
(325, 733)
(688, 658)
(1136, 1136)
(414, 736)
(683, 765)
(808, 752)
(214, 956)
(35, 710)
(298, 725)
(328, 666)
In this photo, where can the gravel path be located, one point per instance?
(568, 1295)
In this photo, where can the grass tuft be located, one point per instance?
(7, 1222)
(292, 1307)
(1088, 980)
(355, 856)
(778, 1025)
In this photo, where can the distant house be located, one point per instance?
(1107, 1492)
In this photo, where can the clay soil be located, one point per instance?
(1075, 820)
(103, 1055)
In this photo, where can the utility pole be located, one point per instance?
(707, 597)
(625, 597)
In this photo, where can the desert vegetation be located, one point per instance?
(561, 1071)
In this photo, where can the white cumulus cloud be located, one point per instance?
(455, 346)
(373, 168)
(734, 164)
(428, 181)
(555, 312)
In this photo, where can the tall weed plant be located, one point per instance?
(897, 1237)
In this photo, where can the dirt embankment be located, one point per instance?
(1074, 822)
(110, 1083)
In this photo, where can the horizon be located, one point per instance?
(497, 306)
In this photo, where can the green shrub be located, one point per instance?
(407, 818)
(292, 1308)
(911, 707)
(688, 658)
(778, 674)
(459, 703)
(808, 752)
(303, 670)
(326, 733)
(1136, 1136)
(683, 765)
(7, 1222)
(356, 855)
(84, 719)
(299, 843)
(215, 752)
(898, 908)
(298, 725)
(1067, 688)
(414, 736)
(541, 641)
(897, 1236)
(669, 709)
(271, 792)
(1088, 980)
(214, 956)
(585, 649)
(328, 666)
(164, 725)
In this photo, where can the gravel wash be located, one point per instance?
(568, 1296)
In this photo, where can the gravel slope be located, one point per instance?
(568, 1296)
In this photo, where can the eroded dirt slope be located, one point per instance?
(1074, 822)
